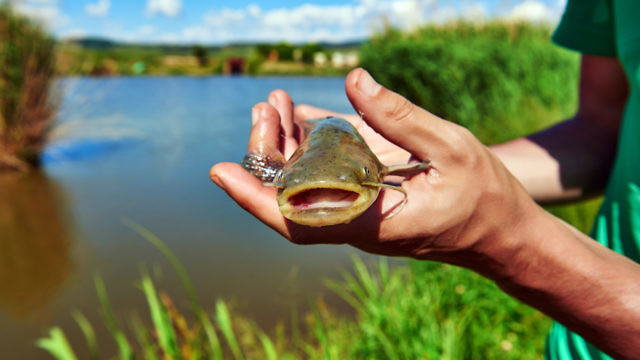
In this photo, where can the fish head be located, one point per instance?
(330, 193)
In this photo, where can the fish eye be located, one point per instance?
(365, 171)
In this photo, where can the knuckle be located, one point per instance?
(463, 145)
(402, 109)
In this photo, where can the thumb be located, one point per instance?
(397, 119)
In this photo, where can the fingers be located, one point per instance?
(282, 102)
(246, 190)
(304, 112)
(397, 119)
(265, 133)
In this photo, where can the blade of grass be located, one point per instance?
(89, 334)
(161, 321)
(121, 340)
(212, 338)
(57, 345)
(224, 322)
(144, 339)
(270, 352)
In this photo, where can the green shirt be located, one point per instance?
(608, 28)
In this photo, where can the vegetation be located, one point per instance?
(97, 57)
(424, 310)
(26, 74)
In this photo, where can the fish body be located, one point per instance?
(331, 178)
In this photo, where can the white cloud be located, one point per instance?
(532, 10)
(475, 12)
(254, 10)
(169, 8)
(169, 38)
(73, 33)
(224, 17)
(146, 30)
(99, 9)
(308, 15)
(197, 34)
(302, 21)
(46, 11)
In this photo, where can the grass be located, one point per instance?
(419, 310)
(26, 74)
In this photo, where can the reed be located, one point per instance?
(26, 75)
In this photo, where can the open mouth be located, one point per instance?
(323, 198)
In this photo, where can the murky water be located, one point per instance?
(141, 149)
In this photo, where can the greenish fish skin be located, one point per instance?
(332, 177)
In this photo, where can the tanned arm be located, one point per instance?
(573, 159)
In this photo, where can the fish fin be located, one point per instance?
(397, 207)
(408, 170)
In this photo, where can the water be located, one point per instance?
(141, 148)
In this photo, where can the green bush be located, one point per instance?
(285, 51)
(488, 78)
(26, 74)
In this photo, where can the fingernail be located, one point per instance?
(273, 100)
(367, 85)
(255, 114)
(218, 181)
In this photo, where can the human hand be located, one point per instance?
(465, 200)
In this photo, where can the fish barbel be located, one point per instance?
(331, 178)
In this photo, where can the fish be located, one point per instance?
(331, 178)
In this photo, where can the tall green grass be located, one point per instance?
(26, 74)
(170, 335)
(420, 310)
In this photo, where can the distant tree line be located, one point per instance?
(289, 52)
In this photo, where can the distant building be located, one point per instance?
(352, 59)
(320, 59)
(338, 59)
(235, 65)
(273, 56)
(342, 60)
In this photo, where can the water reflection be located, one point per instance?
(35, 254)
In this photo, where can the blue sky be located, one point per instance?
(220, 22)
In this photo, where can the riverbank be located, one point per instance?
(96, 57)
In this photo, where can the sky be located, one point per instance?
(222, 22)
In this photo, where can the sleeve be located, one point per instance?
(587, 26)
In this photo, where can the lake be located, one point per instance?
(141, 149)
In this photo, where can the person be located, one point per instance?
(477, 207)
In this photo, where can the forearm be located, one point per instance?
(558, 270)
(570, 160)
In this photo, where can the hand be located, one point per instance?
(465, 200)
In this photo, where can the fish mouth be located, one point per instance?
(323, 198)
(325, 204)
